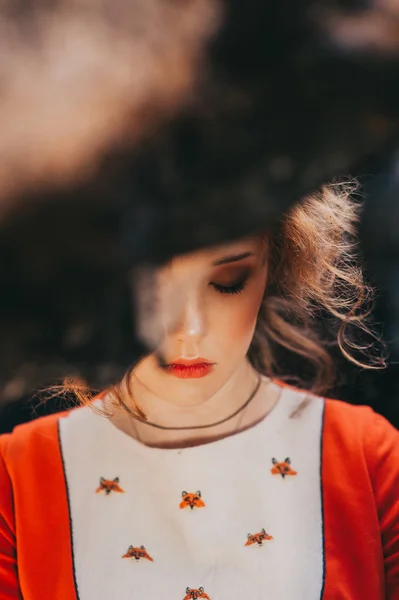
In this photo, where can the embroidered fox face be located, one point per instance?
(137, 553)
(199, 593)
(258, 538)
(109, 485)
(282, 468)
(192, 500)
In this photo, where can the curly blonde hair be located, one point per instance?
(314, 272)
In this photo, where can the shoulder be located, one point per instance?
(363, 445)
(36, 446)
(337, 411)
(40, 433)
(352, 426)
(348, 427)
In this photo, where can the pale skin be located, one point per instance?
(216, 322)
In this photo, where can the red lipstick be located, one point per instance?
(189, 369)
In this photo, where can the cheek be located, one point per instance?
(236, 319)
(245, 318)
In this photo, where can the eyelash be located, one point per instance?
(236, 288)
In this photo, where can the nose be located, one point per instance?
(191, 326)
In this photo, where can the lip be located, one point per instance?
(189, 368)
(190, 362)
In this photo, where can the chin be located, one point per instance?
(192, 391)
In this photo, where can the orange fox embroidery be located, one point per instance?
(258, 538)
(195, 594)
(193, 501)
(109, 485)
(282, 468)
(137, 553)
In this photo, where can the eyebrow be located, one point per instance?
(233, 258)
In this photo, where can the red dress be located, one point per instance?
(359, 487)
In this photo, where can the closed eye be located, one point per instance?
(235, 288)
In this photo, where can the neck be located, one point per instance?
(229, 398)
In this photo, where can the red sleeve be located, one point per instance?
(382, 442)
(9, 587)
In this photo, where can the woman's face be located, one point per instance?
(222, 290)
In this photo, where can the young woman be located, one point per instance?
(203, 476)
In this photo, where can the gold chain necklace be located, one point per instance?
(234, 414)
